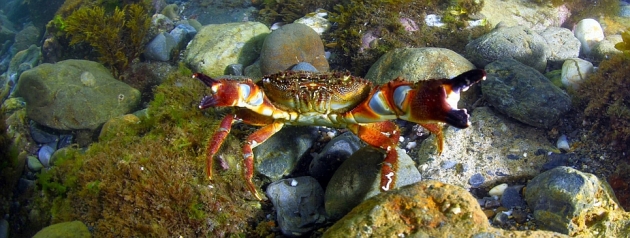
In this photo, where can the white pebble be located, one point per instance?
(575, 71)
(563, 143)
(433, 20)
(589, 32)
(498, 190)
(411, 144)
(294, 182)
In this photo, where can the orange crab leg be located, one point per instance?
(253, 140)
(217, 140)
(383, 135)
(436, 129)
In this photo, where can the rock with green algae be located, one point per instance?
(72, 229)
(579, 204)
(424, 209)
(218, 45)
(74, 95)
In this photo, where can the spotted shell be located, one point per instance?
(303, 91)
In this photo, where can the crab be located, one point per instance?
(338, 100)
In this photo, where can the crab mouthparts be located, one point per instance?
(207, 101)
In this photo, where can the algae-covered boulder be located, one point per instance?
(424, 209)
(74, 95)
(218, 45)
(72, 229)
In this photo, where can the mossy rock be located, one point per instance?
(73, 229)
(74, 94)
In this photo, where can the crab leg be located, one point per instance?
(383, 135)
(217, 140)
(253, 140)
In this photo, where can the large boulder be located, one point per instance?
(518, 42)
(524, 94)
(292, 44)
(74, 95)
(416, 64)
(424, 209)
(218, 45)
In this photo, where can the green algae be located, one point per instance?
(383, 19)
(150, 181)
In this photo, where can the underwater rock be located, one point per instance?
(335, 152)
(291, 44)
(572, 202)
(476, 180)
(279, 155)
(44, 154)
(55, 96)
(216, 46)
(512, 197)
(28, 36)
(299, 204)
(358, 178)
(606, 48)
(519, 43)
(22, 61)
(562, 44)
(34, 164)
(161, 47)
(490, 137)
(575, 71)
(304, 66)
(41, 135)
(424, 209)
(589, 32)
(71, 229)
(563, 143)
(183, 33)
(524, 94)
(415, 64)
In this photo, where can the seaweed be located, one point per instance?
(605, 99)
(624, 46)
(148, 180)
(287, 11)
(118, 36)
(395, 24)
(581, 9)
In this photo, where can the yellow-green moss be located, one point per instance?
(382, 18)
(624, 46)
(153, 183)
(605, 99)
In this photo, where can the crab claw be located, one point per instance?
(466, 79)
(205, 79)
(207, 101)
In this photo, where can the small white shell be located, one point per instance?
(294, 182)
(498, 190)
(563, 143)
